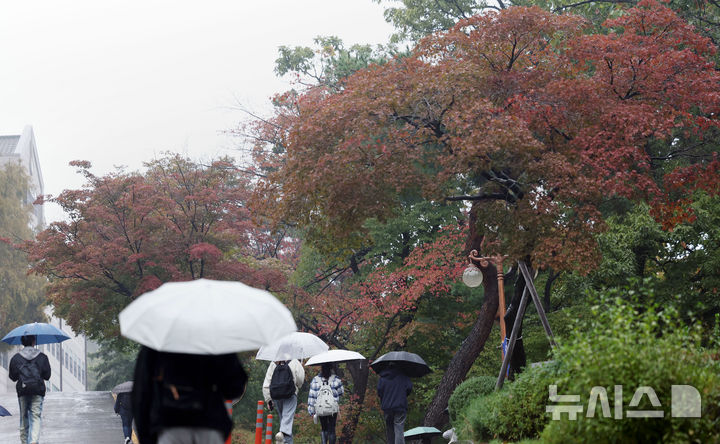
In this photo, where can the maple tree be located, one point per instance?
(127, 233)
(517, 111)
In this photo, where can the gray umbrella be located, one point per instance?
(125, 387)
(408, 363)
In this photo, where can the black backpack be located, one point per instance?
(282, 383)
(29, 375)
(184, 397)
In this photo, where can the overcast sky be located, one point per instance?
(120, 82)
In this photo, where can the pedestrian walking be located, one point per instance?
(324, 401)
(30, 368)
(393, 388)
(123, 407)
(283, 380)
(179, 398)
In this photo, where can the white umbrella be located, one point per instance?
(206, 317)
(296, 345)
(335, 356)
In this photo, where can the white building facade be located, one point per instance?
(22, 149)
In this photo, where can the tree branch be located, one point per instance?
(585, 2)
(491, 196)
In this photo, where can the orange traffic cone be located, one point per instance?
(259, 422)
(268, 431)
(228, 406)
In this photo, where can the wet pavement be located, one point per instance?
(77, 418)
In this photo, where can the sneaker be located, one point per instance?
(128, 441)
(279, 438)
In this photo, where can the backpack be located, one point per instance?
(183, 397)
(325, 403)
(282, 383)
(29, 375)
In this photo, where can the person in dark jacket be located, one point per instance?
(180, 398)
(123, 407)
(30, 368)
(393, 389)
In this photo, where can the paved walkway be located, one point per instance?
(77, 418)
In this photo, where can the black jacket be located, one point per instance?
(220, 377)
(123, 405)
(30, 354)
(393, 389)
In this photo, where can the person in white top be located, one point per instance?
(283, 380)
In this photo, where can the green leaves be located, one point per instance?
(329, 63)
(21, 296)
(633, 345)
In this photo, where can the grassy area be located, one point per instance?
(240, 436)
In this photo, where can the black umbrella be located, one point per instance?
(408, 363)
(125, 387)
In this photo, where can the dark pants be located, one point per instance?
(126, 424)
(395, 426)
(327, 424)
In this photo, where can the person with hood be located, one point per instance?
(283, 380)
(393, 388)
(324, 397)
(30, 368)
(179, 398)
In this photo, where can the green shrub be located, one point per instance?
(515, 412)
(468, 391)
(636, 346)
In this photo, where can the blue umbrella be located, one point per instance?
(46, 334)
(4, 412)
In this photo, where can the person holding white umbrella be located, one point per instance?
(326, 388)
(282, 383)
(179, 398)
(188, 367)
(285, 375)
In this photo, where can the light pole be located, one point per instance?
(472, 277)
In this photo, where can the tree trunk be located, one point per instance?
(359, 370)
(468, 352)
(548, 287)
(474, 343)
